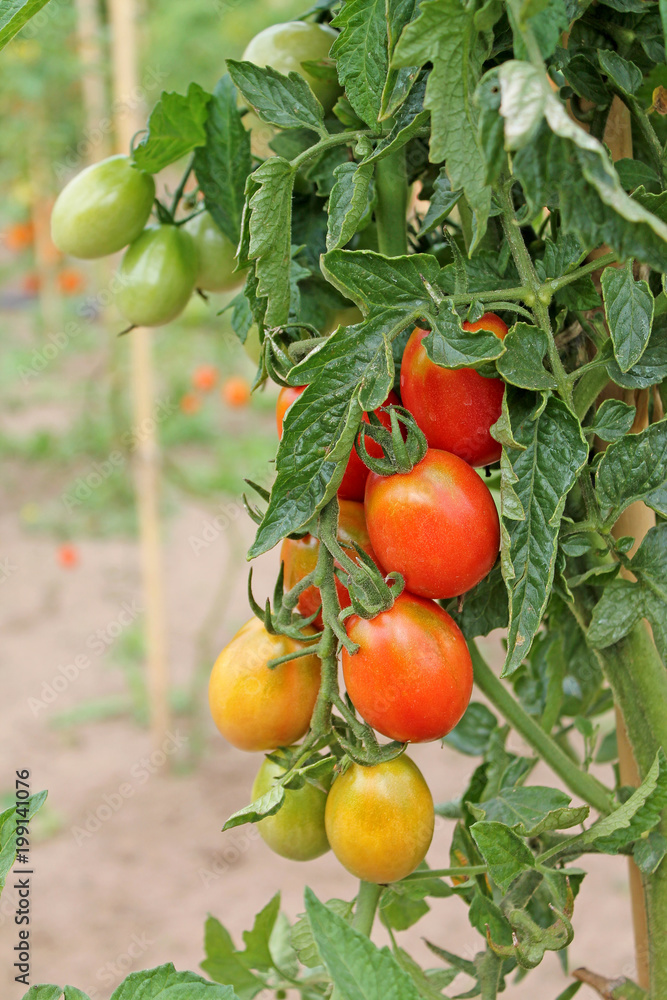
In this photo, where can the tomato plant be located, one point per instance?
(485, 184)
(296, 832)
(157, 276)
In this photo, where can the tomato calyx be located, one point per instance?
(403, 446)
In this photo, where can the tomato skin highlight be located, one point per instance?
(286, 46)
(157, 276)
(299, 556)
(436, 525)
(380, 820)
(257, 707)
(455, 408)
(102, 209)
(297, 830)
(411, 678)
(354, 478)
(215, 253)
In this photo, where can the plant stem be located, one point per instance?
(462, 872)
(392, 204)
(555, 283)
(579, 782)
(588, 389)
(367, 901)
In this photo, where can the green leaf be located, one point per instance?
(444, 34)
(631, 468)
(570, 991)
(486, 916)
(14, 15)
(649, 852)
(484, 608)
(8, 821)
(349, 201)
(547, 22)
(623, 74)
(72, 993)
(629, 308)
(506, 854)
(442, 202)
(473, 732)
(408, 120)
(257, 954)
(176, 126)
(651, 367)
(269, 190)
(285, 101)
(349, 374)
(531, 810)
(359, 970)
(303, 941)
(224, 162)
(522, 362)
(561, 257)
(612, 420)
(165, 983)
(450, 346)
(43, 992)
(266, 805)
(536, 478)
(616, 613)
(224, 964)
(429, 985)
(634, 174)
(635, 817)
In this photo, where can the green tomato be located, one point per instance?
(286, 46)
(296, 831)
(102, 209)
(217, 255)
(157, 276)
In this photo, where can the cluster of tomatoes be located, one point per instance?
(235, 390)
(411, 676)
(106, 208)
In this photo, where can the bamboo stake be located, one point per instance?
(93, 91)
(146, 456)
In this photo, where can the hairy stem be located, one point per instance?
(367, 901)
(392, 203)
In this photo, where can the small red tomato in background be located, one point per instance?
(411, 678)
(354, 478)
(70, 281)
(190, 403)
(68, 555)
(19, 236)
(299, 556)
(236, 391)
(205, 378)
(454, 408)
(436, 525)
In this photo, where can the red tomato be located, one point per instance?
(68, 556)
(355, 475)
(300, 557)
(411, 678)
(437, 525)
(71, 281)
(454, 409)
(236, 391)
(205, 377)
(19, 236)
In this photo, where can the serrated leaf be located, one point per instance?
(444, 33)
(223, 963)
(484, 608)
(44, 991)
(651, 367)
(165, 983)
(531, 810)
(349, 201)
(224, 162)
(486, 916)
(506, 854)
(257, 954)
(426, 987)
(473, 732)
(8, 819)
(176, 126)
(536, 478)
(302, 938)
(522, 363)
(629, 308)
(635, 817)
(612, 420)
(359, 970)
(266, 805)
(442, 202)
(407, 122)
(561, 257)
(623, 74)
(631, 468)
(285, 101)
(14, 15)
(616, 613)
(450, 346)
(269, 209)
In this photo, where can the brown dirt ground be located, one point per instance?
(135, 892)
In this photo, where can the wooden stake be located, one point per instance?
(93, 90)
(129, 119)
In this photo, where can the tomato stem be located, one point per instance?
(367, 901)
(391, 183)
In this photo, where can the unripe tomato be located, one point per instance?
(379, 820)
(297, 830)
(411, 678)
(454, 408)
(299, 556)
(436, 525)
(286, 46)
(216, 255)
(354, 478)
(257, 707)
(157, 276)
(102, 209)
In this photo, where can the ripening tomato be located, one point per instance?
(354, 478)
(236, 391)
(189, 403)
(436, 525)
(454, 408)
(299, 556)
(157, 276)
(205, 377)
(257, 707)
(102, 209)
(19, 236)
(216, 255)
(297, 830)
(411, 678)
(71, 281)
(379, 820)
(287, 46)
(68, 555)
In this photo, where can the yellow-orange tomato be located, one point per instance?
(204, 378)
(379, 820)
(236, 391)
(257, 707)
